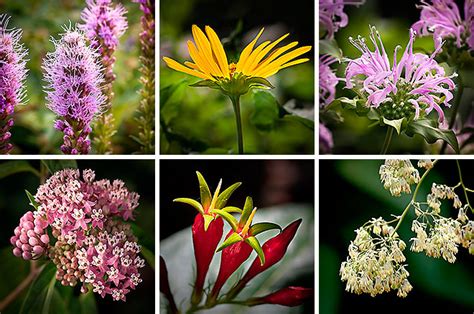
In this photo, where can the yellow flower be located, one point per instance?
(210, 60)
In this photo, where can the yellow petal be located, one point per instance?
(250, 60)
(204, 50)
(246, 52)
(285, 58)
(199, 60)
(191, 65)
(218, 50)
(181, 68)
(289, 64)
(275, 54)
(267, 49)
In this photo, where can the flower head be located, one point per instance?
(397, 175)
(332, 16)
(30, 240)
(414, 85)
(327, 80)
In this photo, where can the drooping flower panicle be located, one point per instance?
(12, 77)
(397, 176)
(412, 86)
(332, 16)
(74, 78)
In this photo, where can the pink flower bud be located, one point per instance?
(17, 252)
(26, 255)
(33, 241)
(45, 238)
(38, 250)
(13, 240)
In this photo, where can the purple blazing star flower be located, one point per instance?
(327, 80)
(332, 16)
(416, 83)
(12, 77)
(325, 139)
(73, 77)
(443, 19)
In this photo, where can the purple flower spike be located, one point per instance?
(415, 84)
(12, 76)
(73, 77)
(327, 80)
(332, 16)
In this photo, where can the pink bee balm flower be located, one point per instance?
(442, 18)
(327, 80)
(416, 83)
(332, 16)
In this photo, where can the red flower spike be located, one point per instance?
(290, 296)
(274, 250)
(165, 286)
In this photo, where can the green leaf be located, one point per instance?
(300, 120)
(232, 209)
(191, 202)
(88, 303)
(146, 242)
(396, 124)
(248, 207)
(206, 83)
(56, 165)
(431, 132)
(266, 112)
(232, 239)
(15, 166)
(32, 199)
(259, 82)
(225, 195)
(36, 297)
(253, 242)
(227, 217)
(262, 227)
(204, 191)
(49, 295)
(149, 256)
(330, 47)
(207, 221)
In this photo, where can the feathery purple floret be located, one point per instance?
(73, 77)
(325, 139)
(332, 16)
(417, 80)
(442, 18)
(12, 77)
(327, 80)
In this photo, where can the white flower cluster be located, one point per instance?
(397, 175)
(425, 163)
(467, 231)
(440, 192)
(375, 263)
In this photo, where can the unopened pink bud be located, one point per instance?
(38, 250)
(45, 238)
(33, 241)
(24, 238)
(26, 247)
(13, 240)
(26, 255)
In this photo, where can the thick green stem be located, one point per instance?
(238, 120)
(455, 111)
(388, 140)
(463, 186)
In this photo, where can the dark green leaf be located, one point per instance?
(36, 297)
(88, 303)
(396, 124)
(204, 191)
(146, 242)
(259, 82)
(232, 239)
(15, 166)
(48, 296)
(206, 83)
(56, 165)
(262, 227)
(266, 111)
(300, 120)
(225, 195)
(431, 132)
(149, 256)
(32, 199)
(330, 47)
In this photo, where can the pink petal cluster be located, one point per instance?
(93, 244)
(74, 77)
(327, 80)
(332, 16)
(325, 139)
(442, 18)
(12, 77)
(416, 80)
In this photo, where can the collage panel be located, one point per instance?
(237, 236)
(77, 236)
(77, 77)
(236, 78)
(395, 77)
(400, 238)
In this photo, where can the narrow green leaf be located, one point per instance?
(227, 217)
(232, 209)
(431, 132)
(396, 124)
(204, 191)
(49, 295)
(205, 83)
(32, 199)
(262, 227)
(88, 303)
(56, 165)
(253, 242)
(207, 221)
(248, 207)
(149, 256)
(35, 297)
(15, 166)
(260, 82)
(225, 195)
(191, 202)
(232, 239)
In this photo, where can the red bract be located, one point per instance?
(205, 244)
(165, 285)
(290, 296)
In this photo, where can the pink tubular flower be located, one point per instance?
(332, 16)
(12, 76)
(73, 77)
(325, 139)
(290, 296)
(31, 239)
(327, 80)
(417, 83)
(443, 19)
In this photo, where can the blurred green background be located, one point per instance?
(393, 20)
(33, 132)
(138, 175)
(200, 120)
(353, 196)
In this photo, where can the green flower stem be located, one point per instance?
(463, 186)
(413, 199)
(238, 120)
(34, 271)
(455, 111)
(388, 140)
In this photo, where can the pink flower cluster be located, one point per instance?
(332, 16)
(93, 244)
(327, 80)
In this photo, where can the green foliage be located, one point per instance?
(59, 164)
(40, 292)
(16, 166)
(431, 132)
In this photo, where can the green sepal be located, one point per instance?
(232, 209)
(248, 207)
(398, 124)
(191, 202)
(207, 221)
(32, 199)
(232, 239)
(262, 227)
(227, 217)
(259, 82)
(225, 195)
(206, 83)
(204, 191)
(253, 242)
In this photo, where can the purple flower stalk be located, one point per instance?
(74, 76)
(416, 83)
(12, 76)
(327, 80)
(332, 16)
(442, 18)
